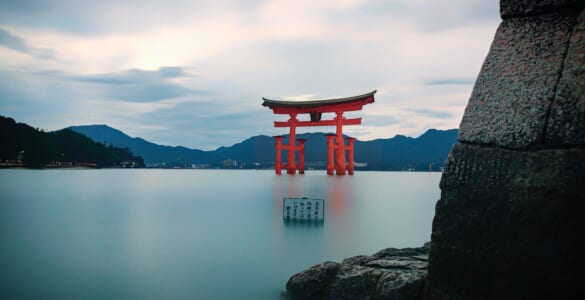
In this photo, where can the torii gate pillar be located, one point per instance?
(291, 147)
(340, 145)
(350, 163)
(278, 160)
(330, 150)
(301, 149)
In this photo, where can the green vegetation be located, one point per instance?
(23, 145)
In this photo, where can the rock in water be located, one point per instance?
(313, 282)
(389, 274)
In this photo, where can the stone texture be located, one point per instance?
(401, 285)
(357, 260)
(566, 122)
(354, 282)
(511, 219)
(508, 224)
(403, 252)
(516, 86)
(389, 274)
(523, 8)
(313, 282)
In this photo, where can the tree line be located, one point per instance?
(30, 147)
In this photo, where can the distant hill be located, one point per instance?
(152, 153)
(401, 152)
(23, 145)
(397, 153)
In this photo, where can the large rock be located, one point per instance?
(511, 217)
(516, 86)
(399, 285)
(508, 224)
(355, 282)
(389, 274)
(523, 8)
(566, 122)
(313, 282)
(512, 207)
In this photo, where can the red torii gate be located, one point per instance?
(315, 108)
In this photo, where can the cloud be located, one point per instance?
(381, 120)
(134, 76)
(136, 85)
(431, 15)
(172, 72)
(432, 113)
(17, 7)
(14, 42)
(210, 124)
(450, 81)
(104, 17)
(143, 86)
(194, 73)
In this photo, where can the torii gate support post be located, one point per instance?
(291, 147)
(278, 161)
(340, 145)
(301, 149)
(330, 148)
(350, 163)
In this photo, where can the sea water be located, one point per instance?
(193, 234)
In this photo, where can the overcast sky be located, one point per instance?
(193, 73)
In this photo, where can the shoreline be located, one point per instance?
(7, 166)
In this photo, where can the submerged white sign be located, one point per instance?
(303, 209)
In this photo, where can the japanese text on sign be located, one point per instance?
(303, 209)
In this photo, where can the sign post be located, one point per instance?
(303, 209)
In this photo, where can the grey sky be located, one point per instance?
(193, 73)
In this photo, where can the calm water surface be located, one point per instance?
(193, 234)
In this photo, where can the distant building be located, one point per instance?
(128, 164)
(229, 163)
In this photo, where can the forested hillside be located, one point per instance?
(21, 144)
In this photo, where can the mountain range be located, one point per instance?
(398, 153)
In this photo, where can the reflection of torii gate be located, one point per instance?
(335, 143)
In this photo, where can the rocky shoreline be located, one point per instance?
(388, 274)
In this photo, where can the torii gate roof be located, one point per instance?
(323, 105)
